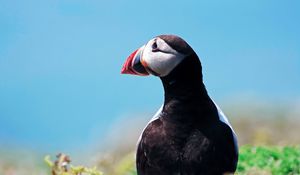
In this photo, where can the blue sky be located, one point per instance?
(60, 60)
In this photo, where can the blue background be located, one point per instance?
(60, 61)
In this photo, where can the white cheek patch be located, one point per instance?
(165, 47)
(164, 61)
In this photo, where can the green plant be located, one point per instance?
(61, 166)
(253, 160)
(270, 160)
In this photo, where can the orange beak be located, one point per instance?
(133, 64)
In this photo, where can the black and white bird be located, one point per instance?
(189, 135)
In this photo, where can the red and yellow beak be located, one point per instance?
(134, 64)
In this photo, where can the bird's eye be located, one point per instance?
(154, 47)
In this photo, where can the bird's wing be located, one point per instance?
(155, 117)
(225, 120)
(141, 160)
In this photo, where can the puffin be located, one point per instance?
(189, 134)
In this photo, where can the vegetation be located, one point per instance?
(118, 158)
(262, 160)
(269, 160)
(62, 166)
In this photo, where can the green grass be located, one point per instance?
(253, 160)
(62, 166)
(269, 160)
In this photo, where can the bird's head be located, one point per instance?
(159, 56)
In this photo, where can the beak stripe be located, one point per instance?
(137, 66)
(126, 69)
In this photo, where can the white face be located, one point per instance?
(160, 57)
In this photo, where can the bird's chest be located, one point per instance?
(170, 144)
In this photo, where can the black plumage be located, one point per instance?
(187, 136)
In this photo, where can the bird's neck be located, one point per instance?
(183, 93)
(185, 82)
(186, 104)
(184, 89)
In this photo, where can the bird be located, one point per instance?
(189, 134)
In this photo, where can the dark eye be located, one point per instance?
(154, 47)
